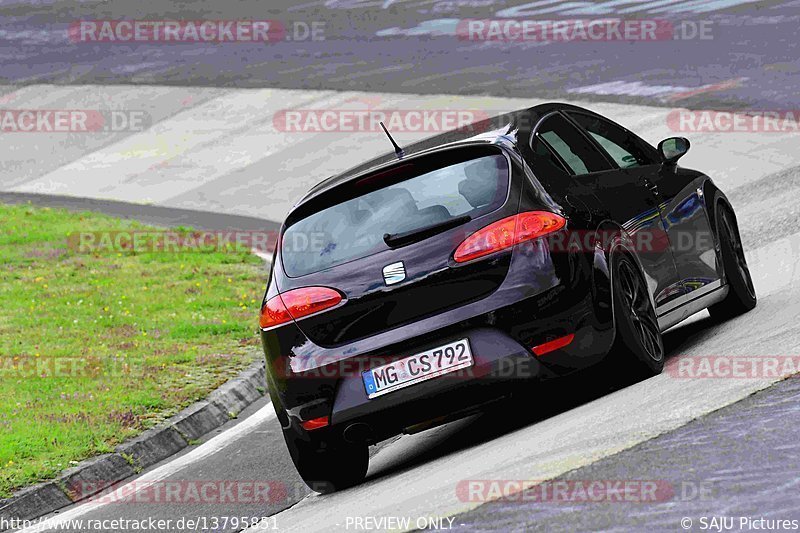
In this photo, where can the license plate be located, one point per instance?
(417, 368)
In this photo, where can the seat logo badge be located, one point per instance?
(394, 273)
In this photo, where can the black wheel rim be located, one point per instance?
(640, 311)
(742, 269)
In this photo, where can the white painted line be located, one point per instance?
(164, 471)
(264, 256)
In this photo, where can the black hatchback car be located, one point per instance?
(419, 287)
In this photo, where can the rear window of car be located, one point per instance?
(423, 196)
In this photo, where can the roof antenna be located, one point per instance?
(397, 150)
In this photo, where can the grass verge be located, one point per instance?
(96, 347)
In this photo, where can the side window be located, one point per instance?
(624, 148)
(545, 164)
(571, 146)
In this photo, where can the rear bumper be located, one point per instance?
(499, 362)
(500, 366)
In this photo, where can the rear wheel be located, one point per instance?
(638, 348)
(328, 467)
(741, 296)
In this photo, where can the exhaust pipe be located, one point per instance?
(358, 433)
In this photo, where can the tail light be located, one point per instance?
(315, 423)
(553, 345)
(507, 232)
(296, 304)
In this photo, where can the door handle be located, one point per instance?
(649, 184)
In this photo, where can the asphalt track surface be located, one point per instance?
(212, 149)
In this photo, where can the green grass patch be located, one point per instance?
(96, 347)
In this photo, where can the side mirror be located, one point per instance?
(673, 149)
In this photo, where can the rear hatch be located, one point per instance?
(385, 241)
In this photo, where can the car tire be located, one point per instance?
(327, 467)
(638, 350)
(741, 296)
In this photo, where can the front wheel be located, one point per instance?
(638, 349)
(327, 467)
(741, 296)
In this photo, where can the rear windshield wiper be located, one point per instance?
(398, 240)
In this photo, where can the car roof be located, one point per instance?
(515, 125)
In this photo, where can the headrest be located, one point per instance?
(480, 186)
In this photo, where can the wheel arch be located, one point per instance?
(719, 201)
(615, 241)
